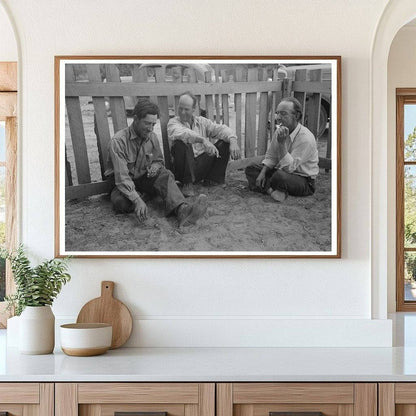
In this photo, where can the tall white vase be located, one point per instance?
(37, 330)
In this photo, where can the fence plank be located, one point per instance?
(237, 104)
(152, 81)
(118, 110)
(192, 76)
(224, 100)
(101, 127)
(217, 97)
(323, 87)
(83, 191)
(139, 75)
(329, 144)
(76, 129)
(250, 118)
(193, 80)
(300, 75)
(314, 104)
(112, 89)
(162, 102)
(276, 97)
(263, 119)
(286, 87)
(177, 79)
(208, 98)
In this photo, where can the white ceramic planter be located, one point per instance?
(37, 330)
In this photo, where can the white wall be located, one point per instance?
(401, 74)
(8, 46)
(179, 302)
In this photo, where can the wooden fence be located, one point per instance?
(241, 96)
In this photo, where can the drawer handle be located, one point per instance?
(296, 414)
(139, 414)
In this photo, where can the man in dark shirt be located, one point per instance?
(136, 161)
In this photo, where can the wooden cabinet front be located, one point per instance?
(397, 399)
(145, 399)
(26, 399)
(297, 399)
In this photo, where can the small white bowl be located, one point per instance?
(83, 340)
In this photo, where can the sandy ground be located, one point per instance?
(236, 219)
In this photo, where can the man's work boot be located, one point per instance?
(183, 212)
(199, 208)
(188, 190)
(276, 195)
(190, 214)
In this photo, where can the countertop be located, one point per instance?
(222, 364)
(212, 365)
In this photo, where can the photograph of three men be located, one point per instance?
(187, 157)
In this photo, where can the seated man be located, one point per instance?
(291, 162)
(137, 163)
(200, 148)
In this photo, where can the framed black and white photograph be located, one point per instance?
(198, 156)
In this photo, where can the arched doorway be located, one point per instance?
(396, 14)
(401, 90)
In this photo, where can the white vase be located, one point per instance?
(37, 330)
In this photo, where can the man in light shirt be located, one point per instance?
(200, 148)
(290, 166)
(137, 164)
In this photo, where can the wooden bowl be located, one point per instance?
(84, 340)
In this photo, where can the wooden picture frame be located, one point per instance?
(94, 98)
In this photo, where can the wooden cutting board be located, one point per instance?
(107, 309)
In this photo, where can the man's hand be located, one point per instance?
(235, 151)
(282, 134)
(261, 179)
(140, 210)
(153, 169)
(211, 149)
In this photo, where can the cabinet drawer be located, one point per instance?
(19, 393)
(153, 399)
(296, 399)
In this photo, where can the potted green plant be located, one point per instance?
(36, 289)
